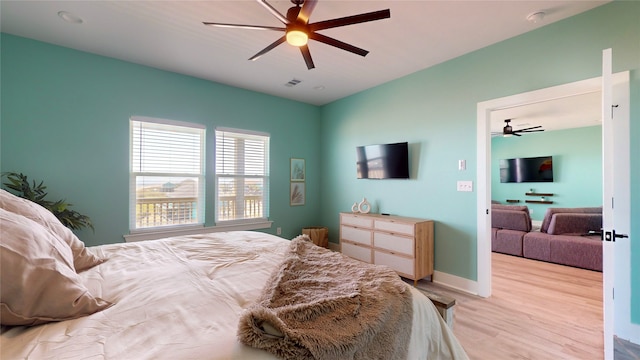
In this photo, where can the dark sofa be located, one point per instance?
(563, 238)
(509, 224)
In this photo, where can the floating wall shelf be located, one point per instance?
(538, 201)
(541, 201)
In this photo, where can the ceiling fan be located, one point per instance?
(508, 129)
(298, 30)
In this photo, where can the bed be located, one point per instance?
(173, 298)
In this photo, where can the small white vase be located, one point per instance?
(364, 206)
(354, 208)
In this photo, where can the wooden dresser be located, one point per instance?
(404, 244)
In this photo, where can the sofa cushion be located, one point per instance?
(494, 233)
(580, 251)
(508, 242)
(535, 245)
(578, 210)
(576, 224)
(511, 217)
(510, 207)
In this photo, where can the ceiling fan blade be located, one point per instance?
(528, 131)
(515, 134)
(339, 44)
(273, 11)
(240, 26)
(307, 56)
(268, 48)
(307, 9)
(350, 20)
(529, 128)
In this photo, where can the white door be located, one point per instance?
(616, 206)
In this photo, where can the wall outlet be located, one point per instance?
(465, 186)
(278, 231)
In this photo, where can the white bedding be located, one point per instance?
(180, 298)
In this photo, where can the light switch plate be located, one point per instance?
(465, 185)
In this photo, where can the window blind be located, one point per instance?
(242, 175)
(167, 173)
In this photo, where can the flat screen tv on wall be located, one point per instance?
(384, 161)
(529, 169)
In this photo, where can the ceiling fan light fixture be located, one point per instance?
(297, 38)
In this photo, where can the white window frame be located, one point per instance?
(240, 175)
(200, 207)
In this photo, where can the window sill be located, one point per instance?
(159, 234)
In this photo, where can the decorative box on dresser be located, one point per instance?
(402, 243)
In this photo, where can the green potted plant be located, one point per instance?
(19, 185)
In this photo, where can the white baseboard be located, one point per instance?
(442, 278)
(456, 282)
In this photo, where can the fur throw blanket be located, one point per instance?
(320, 304)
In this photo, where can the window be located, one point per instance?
(167, 173)
(242, 175)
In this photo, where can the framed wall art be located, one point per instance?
(297, 194)
(298, 172)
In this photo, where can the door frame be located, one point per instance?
(622, 325)
(484, 110)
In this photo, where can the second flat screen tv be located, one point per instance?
(530, 169)
(384, 161)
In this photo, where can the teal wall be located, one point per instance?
(65, 120)
(435, 111)
(577, 168)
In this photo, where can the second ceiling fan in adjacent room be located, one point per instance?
(508, 129)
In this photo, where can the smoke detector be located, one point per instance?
(536, 17)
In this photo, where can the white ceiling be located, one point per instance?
(169, 35)
(564, 113)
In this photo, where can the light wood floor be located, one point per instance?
(537, 310)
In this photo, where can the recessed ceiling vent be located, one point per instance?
(293, 82)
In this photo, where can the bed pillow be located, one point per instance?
(82, 258)
(38, 283)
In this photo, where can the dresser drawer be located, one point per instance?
(355, 235)
(391, 226)
(394, 243)
(357, 252)
(354, 220)
(398, 263)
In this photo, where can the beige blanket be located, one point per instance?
(319, 304)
